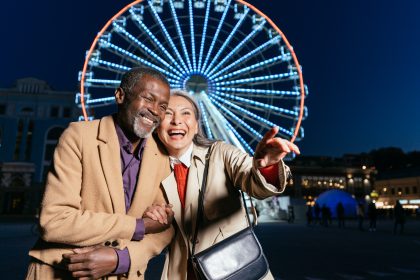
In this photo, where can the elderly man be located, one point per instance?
(105, 174)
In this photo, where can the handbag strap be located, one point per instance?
(201, 203)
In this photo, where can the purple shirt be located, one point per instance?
(130, 167)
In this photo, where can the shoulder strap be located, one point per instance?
(201, 203)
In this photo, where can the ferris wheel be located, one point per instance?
(228, 55)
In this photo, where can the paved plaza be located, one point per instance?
(294, 251)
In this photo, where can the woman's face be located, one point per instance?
(179, 126)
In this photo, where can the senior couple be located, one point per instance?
(124, 187)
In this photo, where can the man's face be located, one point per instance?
(144, 108)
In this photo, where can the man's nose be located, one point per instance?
(154, 109)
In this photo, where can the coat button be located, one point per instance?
(138, 273)
(115, 243)
(107, 243)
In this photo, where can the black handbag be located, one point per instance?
(239, 256)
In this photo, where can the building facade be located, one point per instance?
(32, 118)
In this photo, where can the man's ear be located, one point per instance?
(119, 96)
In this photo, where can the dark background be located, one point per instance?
(360, 60)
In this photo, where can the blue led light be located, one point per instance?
(229, 38)
(278, 77)
(181, 36)
(144, 47)
(256, 103)
(236, 49)
(248, 55)
(143, 27)
(250, 68)
(222, 19)
(205, 120)
(203, 37)
(253, 117)
(267, 92)
(168, 37)
(192, 34)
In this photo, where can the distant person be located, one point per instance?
(309, 215)
(317, 212)
(372, 214)
(326, 214)
(340, 214)
(360, 215)
(291, 214)
(399, 217)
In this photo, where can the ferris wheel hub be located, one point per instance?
(196, 83)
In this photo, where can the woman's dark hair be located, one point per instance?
(199, 139)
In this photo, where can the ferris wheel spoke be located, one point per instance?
(243, 142)
(205, 120)
(98, 102)
(190, 10)
(209, 71)
(216, 35)
(103, 64)
(139, 23)
(262, 79)
(203, 37)
(181, 36)
(229, 38)
(257, 104)
(108, 83)
(255, 67)
(122, 52)
(261, 93)
(249, 130)
(130, 38)
(247, 56)
(167, 36)
(253, 117)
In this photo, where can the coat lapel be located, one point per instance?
(109, 153)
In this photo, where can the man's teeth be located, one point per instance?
(147, 120)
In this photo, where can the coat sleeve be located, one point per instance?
(62, 218)
(243, 173)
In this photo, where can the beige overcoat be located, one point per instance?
(84, 203)
(223, 209)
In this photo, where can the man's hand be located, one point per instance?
(152, 223)
(159, 212)
(91, 262)
(270, 150)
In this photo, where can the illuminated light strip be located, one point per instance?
(238, 24)
(117, 82)
(249, 68)
(142, 46)
(110, 64)
(192, 35)
(203, 37)
(153, 37)
(256, 103)
(256, 117)
(248, 55)
(168, 37)
(181, 36)
(205, 120)
(259, 91)
(215, 36)
(145, 62)
(251, 151)
(257, 79)
(239, 46)
(100, 100)
(236, 118)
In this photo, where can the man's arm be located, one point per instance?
(62, 219)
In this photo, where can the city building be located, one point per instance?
(402, 185)
(32, 118)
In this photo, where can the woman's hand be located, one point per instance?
(270, 150)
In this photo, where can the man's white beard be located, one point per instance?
(140, 131)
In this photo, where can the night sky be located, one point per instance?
(360, 61)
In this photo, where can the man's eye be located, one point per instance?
(163, 108)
